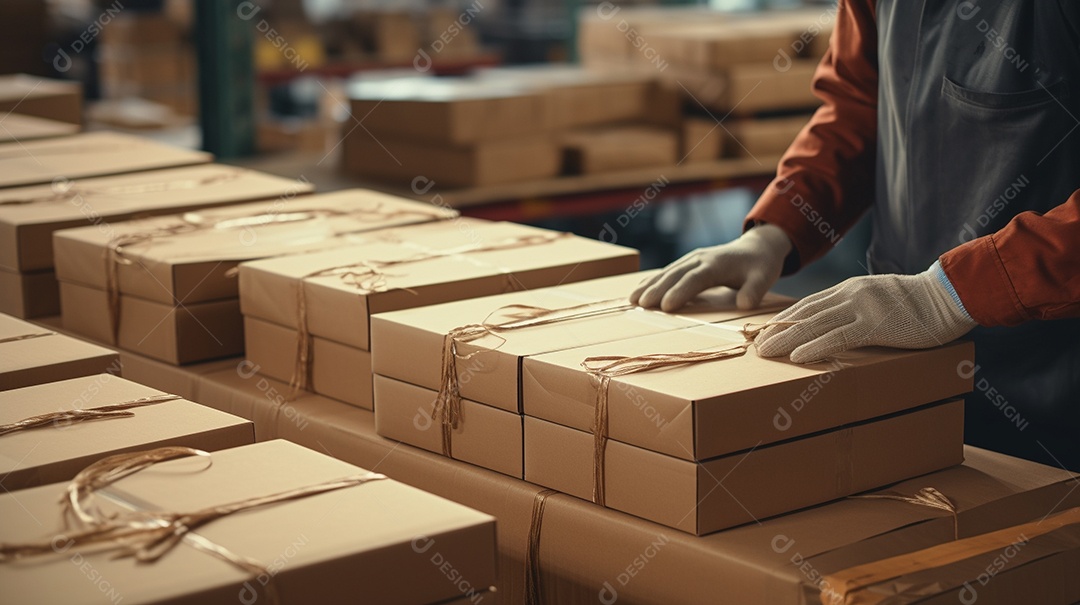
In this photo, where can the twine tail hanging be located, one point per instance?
(532, 550)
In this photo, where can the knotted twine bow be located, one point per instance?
(447, 409)
(26, 337)
(370, 276)
(118, 410)
(147, 536)
(115, 257)
(606, 367)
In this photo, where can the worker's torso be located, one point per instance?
(979, 120)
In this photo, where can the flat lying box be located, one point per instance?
(1029, 563)
(744, 487)
(762, 137)
(386, 158)
(450, 111)
(90, 154)
(29, 215)
(41, 97)
(334, 547)
(578, 97)
(339, 371)
(191, 267)
(29, 295)
(487, 436)
(465, 258)
(712, 408)
(175, 333)
(30, 354)
(408, 344)
(58, 451)
(621, 148)
(18, 127)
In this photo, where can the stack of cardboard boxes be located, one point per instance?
(149, 56)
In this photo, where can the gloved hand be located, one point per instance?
(751, 264)
(903, 311)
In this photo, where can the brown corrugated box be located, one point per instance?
(89, 154)
(760, 87)
(408, 344)
(706, 409)
(18, 127)
(451, 111)
(744, 487)
(619, 148)
(778, 562)
(385, 157)
(41, 97)
(337, 370)
(1029, 563)
(326, 548)
(702, 140)
(340, 311)
(29, 215)
(30, 354)
(58, 451)
(191, 267)
(29, 295)
(765, 136)
(176, 333)
(487, 436)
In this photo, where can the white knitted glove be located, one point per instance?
(751, 264)
(903, 311)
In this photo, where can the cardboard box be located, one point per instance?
(780, 561)
(712, 408)
(41, 97)
(338, 371)
(30, 354)
(760, 87)
(702, 140)
(521, 258)
(487, 436)
(745, 487)
(88, 154)
(622, 148)
(408, 344)
(766, 136)
(177, 333)
(1029, 563)
(191, 267)
(18, 127)
(57, 452)
(386, 158)
(580, 97)
(450, 111)
(325, 548)
(29, 295)
(29, 215)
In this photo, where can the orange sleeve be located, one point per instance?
(1030, 269)
(825, 180)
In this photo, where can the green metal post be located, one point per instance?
(224, 32)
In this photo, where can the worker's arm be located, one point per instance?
(825, 181)
(1030, 269)
(823, 185)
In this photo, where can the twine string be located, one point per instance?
(532, 551)
(118, 410)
